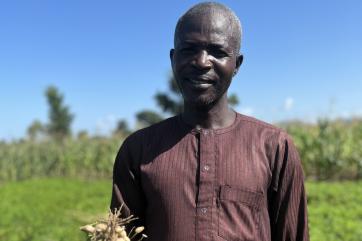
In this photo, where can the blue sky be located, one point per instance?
(108, 58)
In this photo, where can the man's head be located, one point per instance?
(206, 53)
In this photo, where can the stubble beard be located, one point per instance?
(205, 103)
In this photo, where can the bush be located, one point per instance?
(329, 150)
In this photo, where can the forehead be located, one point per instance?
(209, 27)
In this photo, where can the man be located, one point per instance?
(211, 173)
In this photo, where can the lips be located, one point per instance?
(200, 83)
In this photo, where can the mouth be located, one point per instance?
(199, 83)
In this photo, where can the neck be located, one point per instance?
(216, 116)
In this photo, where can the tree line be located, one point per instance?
(60, 118)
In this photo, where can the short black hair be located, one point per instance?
(205, 8)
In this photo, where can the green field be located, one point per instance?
(53, 209)
(50, 209)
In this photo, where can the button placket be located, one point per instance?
(206, 186)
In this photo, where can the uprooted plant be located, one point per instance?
(113, 228)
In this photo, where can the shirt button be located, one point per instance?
(204, 210)
(206, 168)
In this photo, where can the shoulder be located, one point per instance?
(261, 129)
(150, 133)
(257, 124)
(270, 138)
(139, 142)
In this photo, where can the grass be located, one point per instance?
(54, 209)
(51, 209)
(335, 211)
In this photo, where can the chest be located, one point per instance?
(210, 160)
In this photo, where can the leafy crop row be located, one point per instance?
(329, 151)
(84, 158)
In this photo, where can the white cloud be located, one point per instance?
(288, 103)
(349, 114)
(246, 110)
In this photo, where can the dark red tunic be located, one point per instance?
(239, 183)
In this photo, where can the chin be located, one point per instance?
(202, 103)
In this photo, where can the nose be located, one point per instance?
(202, 60)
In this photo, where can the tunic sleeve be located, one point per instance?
(287, 200)
(127, 188)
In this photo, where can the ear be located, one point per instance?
(172, 51)
(239, 61)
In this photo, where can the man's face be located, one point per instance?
(204, 59)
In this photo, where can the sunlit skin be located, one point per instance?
(204, 62)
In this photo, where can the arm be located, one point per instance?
(287, 199)
(126, 186)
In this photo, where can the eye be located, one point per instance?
(187, 50)
(218, 53)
